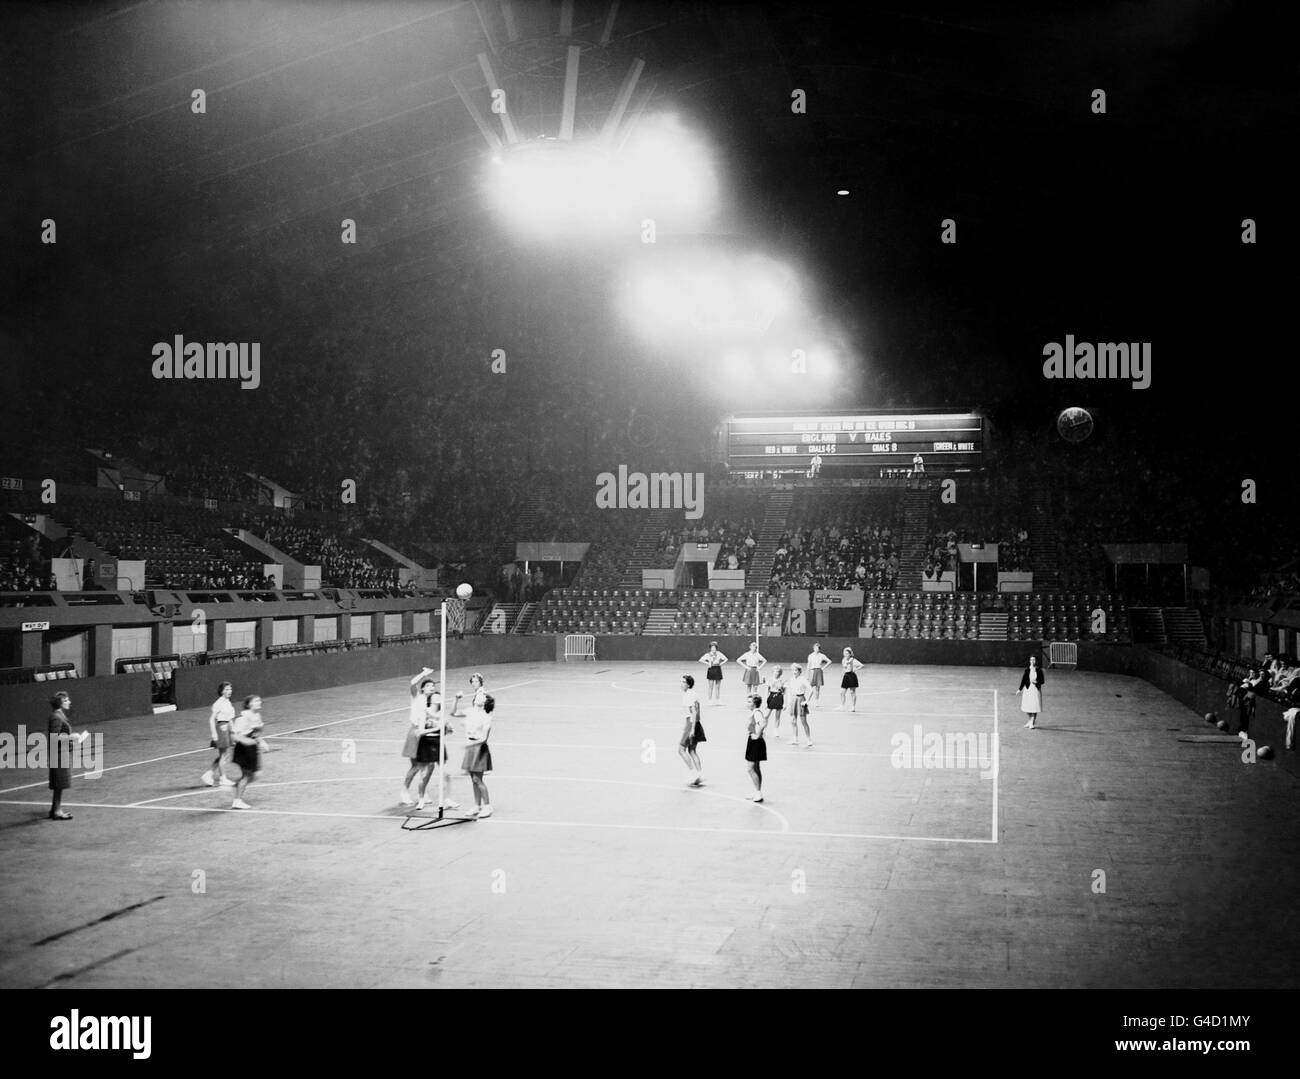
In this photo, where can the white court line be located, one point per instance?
(277, 734)
(624, 748)
(785, 824)
(671, 692)
(493, 820)
(997, 763)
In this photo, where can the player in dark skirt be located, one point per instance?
(776, 700)
(423, 747)
(692, 731)
(849, 683)
(246, 732)
(478, 757)
(60, 751)
(713, 660)
(756, 747)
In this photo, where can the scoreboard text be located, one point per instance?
(854, 445)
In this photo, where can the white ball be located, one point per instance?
(465, 591)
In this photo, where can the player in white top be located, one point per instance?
(219, 725)
(692, 731)
(753, 662)
(478, 757)
(713, 660)
(849, 683)
(800, 692)
(817, 662)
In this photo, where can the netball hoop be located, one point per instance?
(424, 822)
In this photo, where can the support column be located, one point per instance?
(101, 651)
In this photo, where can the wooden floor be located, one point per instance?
(1098, 851)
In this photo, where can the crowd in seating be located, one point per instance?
(1275, 586)
(738, 540)
(837, 555)
(1012, 540)
(339, 566)
(217, 574)
(515, 584)
(200, 475)
(1277, 677)
(20, 573)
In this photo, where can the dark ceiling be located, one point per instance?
(1124, 226)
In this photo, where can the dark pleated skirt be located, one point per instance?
(478, 758)
(427, 752)
(249, 758)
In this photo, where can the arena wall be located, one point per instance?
(788, 650)
(196, 686)
(1203, 692)
(94, 700)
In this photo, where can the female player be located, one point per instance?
(478, 757)
(753, 662)
(776, 700)
(431, 753)
(1031, 685)
(60, 739)
(223, 715)
(422, 690)
(849, 683)
(692, 731)
(817, 660)
(713, 659)
(246, 732)
(800, 691)
(756, 747)
(475, 688)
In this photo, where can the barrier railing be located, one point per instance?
(580, 646)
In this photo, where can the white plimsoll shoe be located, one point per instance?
(239, 803)
(207, 778)
(758, 798)
(486, 811)
(406, 798)
(226, 782)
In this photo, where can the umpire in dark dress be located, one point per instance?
(60, 751)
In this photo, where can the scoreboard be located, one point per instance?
(853, 444)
